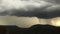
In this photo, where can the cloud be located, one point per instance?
(53, 1)
(18, 4)
(38, 8)
(53, 11)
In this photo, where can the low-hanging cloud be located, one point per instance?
(38, 8)
(53, 11)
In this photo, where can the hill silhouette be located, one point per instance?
(35, 29)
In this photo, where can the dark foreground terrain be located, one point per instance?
(35, 29)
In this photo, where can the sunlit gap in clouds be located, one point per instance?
(26, 22)
(52, 21)
(56, 21)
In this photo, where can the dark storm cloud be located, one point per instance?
(37, 12)
(53, 1)
(53, 11)
(34, 8)
(54, 14)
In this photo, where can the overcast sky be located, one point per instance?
(38, 8)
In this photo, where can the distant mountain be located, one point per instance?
(43, 29)
(35, 29)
